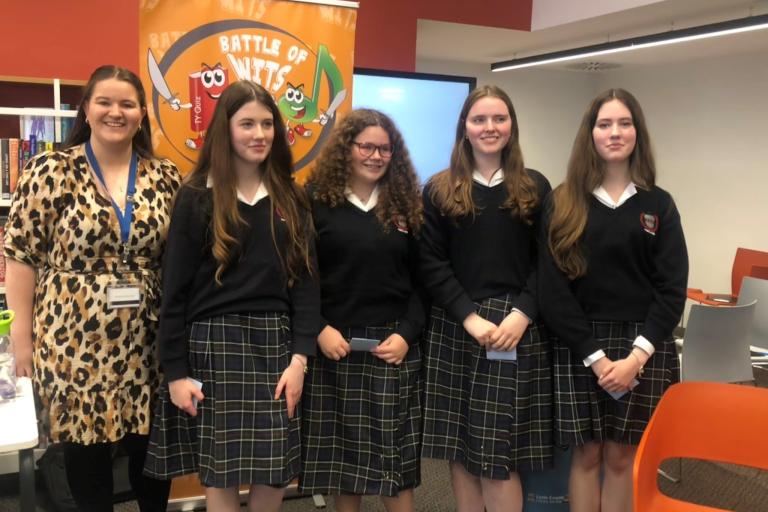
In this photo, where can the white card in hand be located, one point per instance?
(618, 394)
(198, 385)
(501, 355)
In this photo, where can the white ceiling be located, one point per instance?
(472, 43)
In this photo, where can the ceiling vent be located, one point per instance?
(592, 66)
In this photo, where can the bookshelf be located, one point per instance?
(24, 96)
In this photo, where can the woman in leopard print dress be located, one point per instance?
(77, 240)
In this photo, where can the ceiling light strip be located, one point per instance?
(636, 43)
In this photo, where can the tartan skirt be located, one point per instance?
(493, 417)
(241, 434)
(361, 422)
(584, 412)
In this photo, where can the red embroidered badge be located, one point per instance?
(650, 222)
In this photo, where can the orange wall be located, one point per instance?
(51, 38)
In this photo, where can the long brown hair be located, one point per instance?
(398, 188)
(287, 198)
(451, 189)
(586, 169)
(81, 130)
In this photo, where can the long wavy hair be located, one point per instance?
(586, 170)
(288, 199)
(81, 130)
(399, 197)
(451, 189)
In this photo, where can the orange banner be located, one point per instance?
(300, 52)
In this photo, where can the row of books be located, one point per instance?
(2, 260)
(14, 154)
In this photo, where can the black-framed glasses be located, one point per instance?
(367, 149)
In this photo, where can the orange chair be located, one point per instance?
(703, 420)
(759, 271)
(745, 262)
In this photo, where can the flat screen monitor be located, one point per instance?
(425, 108)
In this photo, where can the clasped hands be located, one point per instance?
(333, 345)
(615, 376)
(504, 336)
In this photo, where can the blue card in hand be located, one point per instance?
(501, 355)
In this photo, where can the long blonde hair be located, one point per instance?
(451, 189)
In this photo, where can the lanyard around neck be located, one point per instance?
(123, 216)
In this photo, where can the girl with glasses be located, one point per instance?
(488, 391)
(361, 406)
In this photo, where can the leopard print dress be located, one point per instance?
(95, 369)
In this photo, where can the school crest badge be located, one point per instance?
(650, 222)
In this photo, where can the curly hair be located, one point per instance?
(451, 189)
(399, 196)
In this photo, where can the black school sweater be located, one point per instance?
(486, 255)
(637, 271)
(255, 282)
(367, 275)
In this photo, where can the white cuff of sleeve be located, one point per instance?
(526, 316)
(643, 344)
(593, 358)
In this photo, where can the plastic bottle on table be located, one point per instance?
(7, 363)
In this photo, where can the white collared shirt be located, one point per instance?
(261, 193)
(602, 195)
(366, 207)
(496, 178)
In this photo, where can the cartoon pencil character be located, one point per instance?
(298, 108)
(205, 87)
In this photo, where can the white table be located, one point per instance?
(18, 433)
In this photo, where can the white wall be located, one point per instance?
(708, 120)
(549, 106)
(550, 13)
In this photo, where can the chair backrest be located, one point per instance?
(753, 289)
(759, 271)
(716, 344)
(743, 262)
(703, 420)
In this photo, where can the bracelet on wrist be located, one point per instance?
(640, 369)
(304, 366)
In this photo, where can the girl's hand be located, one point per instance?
(392, 350)
(511, 329)
(479, 328)
(332, 343)
(22, 356)
(182, 391)
(619, 375)
(292, 382)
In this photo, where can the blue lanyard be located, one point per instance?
(123, 216)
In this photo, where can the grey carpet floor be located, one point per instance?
(725, 486)
(706, 483)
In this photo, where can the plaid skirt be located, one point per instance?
(584, 412)
(493, 417)
(241, 434)
(361, 422)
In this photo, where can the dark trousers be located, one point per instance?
(89, 473)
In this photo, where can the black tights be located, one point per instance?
(89, 473)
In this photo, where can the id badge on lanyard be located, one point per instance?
(121, 294)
